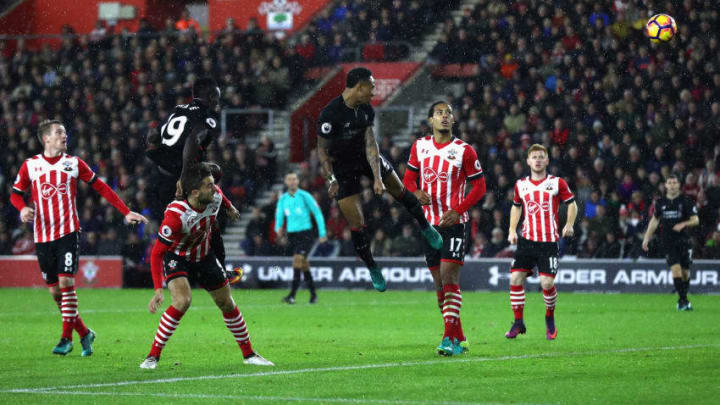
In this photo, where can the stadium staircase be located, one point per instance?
(420, 91)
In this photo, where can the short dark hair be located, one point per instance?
(202, 86)
(192, 177)
(673, 176)
(431, 110)
(357, 75)
(44, 127)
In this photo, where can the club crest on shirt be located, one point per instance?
(451, 154)
(172, 264)
(67, 166)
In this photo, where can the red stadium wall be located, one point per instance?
(243, 10)
(94, 271)
(388, 77)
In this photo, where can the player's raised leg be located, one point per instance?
(352, 211)
(236, 324)
(517, 301)
(412, 205)
(170, 320)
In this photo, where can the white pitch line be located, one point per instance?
(264, 398)
(358, 367)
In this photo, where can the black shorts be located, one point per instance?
(348, 175)
(208, 272)
(678, 253)
(301, 242)
(58, 257)
(453, 249)
(529, 254)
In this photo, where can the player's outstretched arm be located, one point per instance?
(652, 226)
(569, 229)
(372, 153)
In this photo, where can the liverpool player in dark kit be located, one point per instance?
(348, 151)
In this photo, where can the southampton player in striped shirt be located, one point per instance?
(444, 165)
(52, 177)
(183, 250)
(538, 196)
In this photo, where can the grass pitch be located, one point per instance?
(366, 347)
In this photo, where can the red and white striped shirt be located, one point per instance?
(54, 189)
(444, 169)
(187, 231)
(540, 200)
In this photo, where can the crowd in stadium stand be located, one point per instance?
(616, 112)
(110, 90)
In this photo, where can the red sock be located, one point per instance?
(235, 322)
(451, 310)
(169, 321)
(80, 327)
(440, 299)
(550, 297)
(517, 300)
(68, 310)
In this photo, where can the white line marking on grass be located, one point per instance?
(359, 367)
(264, 398)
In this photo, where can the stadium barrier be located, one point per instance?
(93, 271)
(602, 276)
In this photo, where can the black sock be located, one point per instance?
(295, 282)
(412, 205)
(309, 281)
(686, 283)
(680, 288)
(362, 247)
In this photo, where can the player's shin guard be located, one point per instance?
(680, 288)
(451, 311)
(362, 247)
(517, 300)
(295, 282)
(169, 321)
(236, 324)
(550, 297)
(412, 205)
(68, 309)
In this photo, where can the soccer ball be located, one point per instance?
(660, 27)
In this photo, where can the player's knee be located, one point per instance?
(517, 278)
(547, 282)
(181, 302)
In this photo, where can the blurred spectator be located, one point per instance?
(406, 244)
(610, 248)
(380, 244)
(186, 23)
(24, 245)
(496, 244)
(347, 248)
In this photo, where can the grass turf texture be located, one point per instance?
(362, 346)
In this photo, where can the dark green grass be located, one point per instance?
(610, 349)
